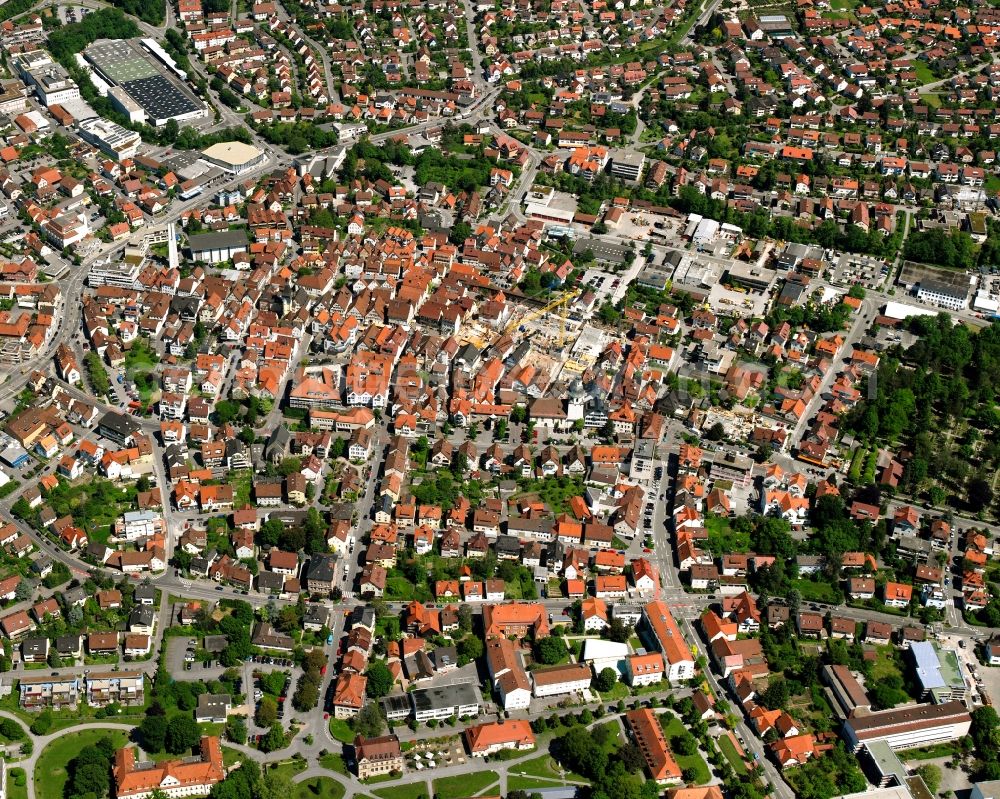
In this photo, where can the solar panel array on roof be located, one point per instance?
(159, 98)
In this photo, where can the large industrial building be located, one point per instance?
(50, 81)
(110, 137)
(143, 85)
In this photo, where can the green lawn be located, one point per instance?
(619, 691)
(334, 763)
(530, 784)
(696, 762)
(465, 785)
(924, 74)
(721, 536)
(543, 766)
(140, 357)
(340, 730)
(615, 739)
(412, 790)
(927, 752)
(15, 791)
(242, 483)
(290, 768)
(728, 750)
(815, 591)
(318, 788)
(885, 664)
(50, 770)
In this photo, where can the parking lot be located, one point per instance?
(602, 283)
(851, 269)
(70, 14)
(181, 663)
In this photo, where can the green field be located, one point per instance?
(465, 785)
(530, 784)
(885, 664)
(545, 767)
(340, 730)
(619, 691)
(334, 763)
(928, 752)
(318, 788)
(816, 592)
(50, 770)
(728, 750)
(696, 762)
(15, 791)
(289, 768)
(412, 790)
(924, 74)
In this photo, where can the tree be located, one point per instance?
(579, 751)
(273, 740)
(267, 712)
(91, 778)
(888, 692)
(306, 693)
(985, 724)
(11, 730)
(153, 733)
(182, 734)
(460, 231)
(550, 650)
(606, 680)
(275, 785)
(43, 724)
(980, 494)
(23, 591)
(242, 783)
(776, 695)
(716, 432)
(632, 757)
(380, 680)
(470, 648)
(618, 631)
(236, 729)
(685, 744)
(369, 722)
(271, 532)
(465, 618)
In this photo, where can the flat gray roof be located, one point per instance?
(462, 693)
(220, 240)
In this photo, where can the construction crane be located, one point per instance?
(562, 302)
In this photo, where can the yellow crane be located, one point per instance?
(561, 302)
